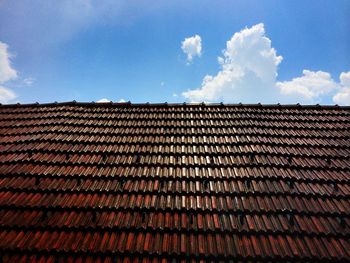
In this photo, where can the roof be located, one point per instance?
(105, 182)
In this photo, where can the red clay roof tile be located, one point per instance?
(86, 182)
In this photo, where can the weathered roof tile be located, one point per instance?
(89, 182)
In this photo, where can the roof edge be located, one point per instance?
(165, 104)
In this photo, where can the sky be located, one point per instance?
(247, 51)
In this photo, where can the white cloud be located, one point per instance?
(248, 73)
(343, 95)
(248, 69)
(103, 100)
(192, 47)
(345, 79)
(311, 86)
(6, 95)
(6, 71)
(28, 81)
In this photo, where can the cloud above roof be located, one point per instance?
(7, 73)
(192, 47)
(104, 100)
(343, 95)
(311, 85)
(248, 73)
(6, 95)
(248, 62)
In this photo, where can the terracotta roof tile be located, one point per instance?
(122, 182)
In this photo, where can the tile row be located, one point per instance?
(193, 119)
(213, 173)
(179, 149)
(233, 131)
(235, 186)
(235, 203)
(139, 159)
(192, 245)
(69, 258)
(171, 139)
(178, 109)
(176, 222)
(174, 123)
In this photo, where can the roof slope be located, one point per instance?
(100, 182)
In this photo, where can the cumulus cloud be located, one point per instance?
(248, 69)
(248, 73)
(345, 79)
(6, 73)
(6, 95)
(343, 95)
(310, 86)
(104, 100)
(192, 47)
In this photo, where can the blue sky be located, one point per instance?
(270, 51)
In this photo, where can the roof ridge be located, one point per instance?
(166, 104)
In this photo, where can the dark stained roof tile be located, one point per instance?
(89, 182)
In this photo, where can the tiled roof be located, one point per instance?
(86, 182)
